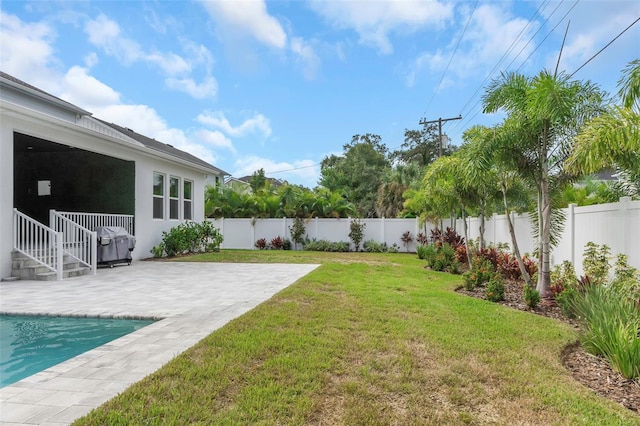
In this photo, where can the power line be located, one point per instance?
(534, 50)
(433, 94)
(607, 45)
(538, 11)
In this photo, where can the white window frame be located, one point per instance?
(174, 199)
(186, 200)
(158, 196)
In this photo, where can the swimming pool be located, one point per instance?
(30, 344)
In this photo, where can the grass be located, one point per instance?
(367, 339)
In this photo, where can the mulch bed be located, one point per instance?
(592, 371)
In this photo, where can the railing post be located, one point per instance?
(94, 252)
(52, 220)
(59, 261)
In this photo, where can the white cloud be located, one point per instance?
(375, 20)
(306, 55)
(216, 139)
(490, 33)
(305, 172)
(105, 33)
(247, 17)
(26, 51)
(206, 89)
(86, 91)
(256, 124)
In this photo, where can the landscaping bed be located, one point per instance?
(592, 371)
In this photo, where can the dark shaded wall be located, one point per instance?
(81, 181)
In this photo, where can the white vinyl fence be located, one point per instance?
(243, 233)
(616, 225)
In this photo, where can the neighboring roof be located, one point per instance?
(146, 141)
(275, 183)
(163, 147)
(32, 90)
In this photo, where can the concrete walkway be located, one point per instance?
(193, 298)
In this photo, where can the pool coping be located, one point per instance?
(69, 390)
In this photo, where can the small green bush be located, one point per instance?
(495, 289)
(189, 237)
(372, 246)
(356, 233)
(531, 296)
(423, 250)
(297, 231)
(325, 245)
(595, 262)
(611, 327)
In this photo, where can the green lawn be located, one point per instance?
(367, 339)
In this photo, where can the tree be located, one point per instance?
(390, 198)
(258, 181)
(545, 112)
(613, 139)
(358, 172)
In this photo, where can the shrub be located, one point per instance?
(611, 326)
(406, 239)
(450, 237)
(297, 231)
(372, 246)
(189, 237)
(325, 245)
(495, 289)
(422, 239)
(423, 250)
(595, 262)
(492, 254)
(277, 243)
(286, 244)
(507, 264)
(394, 248)
(356, 233)
(626, 278)
(531, 296)
(261, 244)
(480, 273)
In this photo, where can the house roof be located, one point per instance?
(34, 91)
(150, 143)
(275, 183)
(163, 147)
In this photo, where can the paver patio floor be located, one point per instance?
(193, 299)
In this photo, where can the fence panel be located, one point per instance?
(614, 224)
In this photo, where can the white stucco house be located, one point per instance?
(57, 156)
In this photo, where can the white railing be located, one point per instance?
(38, 242)
(91, 221)
(78, 242)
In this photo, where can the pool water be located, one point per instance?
(30, 344)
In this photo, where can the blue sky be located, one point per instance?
(279, 85)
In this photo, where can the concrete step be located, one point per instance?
(67, 273)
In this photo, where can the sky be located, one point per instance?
(280, 85)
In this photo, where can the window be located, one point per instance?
(186, 195)
(174, 197)
(158, 196)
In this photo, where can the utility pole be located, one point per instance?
(439, 121)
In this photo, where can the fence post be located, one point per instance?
(572, 231)
(284, 227)
(222, 231)
(382, 231)
(624, 205)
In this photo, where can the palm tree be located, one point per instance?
(390, 200)
(546, 112)
(613, 139)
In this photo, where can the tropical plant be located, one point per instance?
(297, 231)
(546, 112)
(406, 239)
(356, 233)
(613, 138)
(494, 291)
(189, 237)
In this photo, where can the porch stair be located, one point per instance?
(25, 268)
